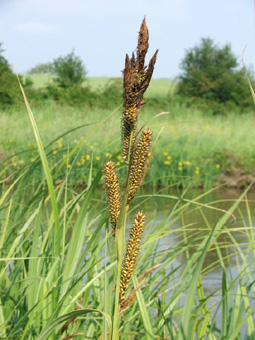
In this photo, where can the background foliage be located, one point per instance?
(211, 73)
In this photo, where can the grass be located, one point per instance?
(34, 275)
(192, 144)
(59, 264)
(158, 88)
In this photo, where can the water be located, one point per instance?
(201, 211)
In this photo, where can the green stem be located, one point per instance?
(120, 245)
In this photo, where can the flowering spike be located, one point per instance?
(138, 163)
(136, 79)
(113, 193)
(131, 253)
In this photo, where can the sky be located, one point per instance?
(101, 32)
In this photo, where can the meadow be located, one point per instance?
(195, 148)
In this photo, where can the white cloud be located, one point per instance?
(34, 27)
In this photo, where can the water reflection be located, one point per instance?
(200, 212)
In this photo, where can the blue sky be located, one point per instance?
(102, 31)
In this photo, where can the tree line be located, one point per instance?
(210, 75)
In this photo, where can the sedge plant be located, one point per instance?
(135, 149)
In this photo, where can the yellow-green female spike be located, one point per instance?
(113, 193)
(138, 162)
(131, 253)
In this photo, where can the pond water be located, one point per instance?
(201, 211)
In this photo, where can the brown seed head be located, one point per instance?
(131, 253)
(136, 76)
(113, 193)
(136, 79)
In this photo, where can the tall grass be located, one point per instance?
(206, 146)
(58, 268)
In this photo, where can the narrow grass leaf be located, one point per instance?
(60, 320)
(46, 169)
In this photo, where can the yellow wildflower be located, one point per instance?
(118, 164)
(165, 153)
(21, 161)
(69, 166)
(97, 158)
(166, 162)
(54, 152)
(217, 166)
(169, 157)
(180, 164)
(180, 168)
(87, 157)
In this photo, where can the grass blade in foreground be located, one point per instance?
(186, 324)
(59, 321)
(46, 169)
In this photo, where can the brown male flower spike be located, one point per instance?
(136, 79)
(113, 193)
(131, 253)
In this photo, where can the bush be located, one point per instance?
(9, 90)
(42, 68)
(210, 73)
(69, 71)
(10, 93)
(75, 96)
(112, 94)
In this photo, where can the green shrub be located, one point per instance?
(42, 68)
(210, 73)
(9, 90)
(69, 71)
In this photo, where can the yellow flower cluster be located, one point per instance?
(197, 171)
(83, 159)
(60, 143)
(168, 159)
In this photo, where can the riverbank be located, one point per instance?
(194, 148)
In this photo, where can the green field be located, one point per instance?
(157, 87)
(194, 148)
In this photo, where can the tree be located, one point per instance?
(42, 68)
(69, 71)
(210, 73)
(9, 90)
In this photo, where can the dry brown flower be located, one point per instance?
(136, 79)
